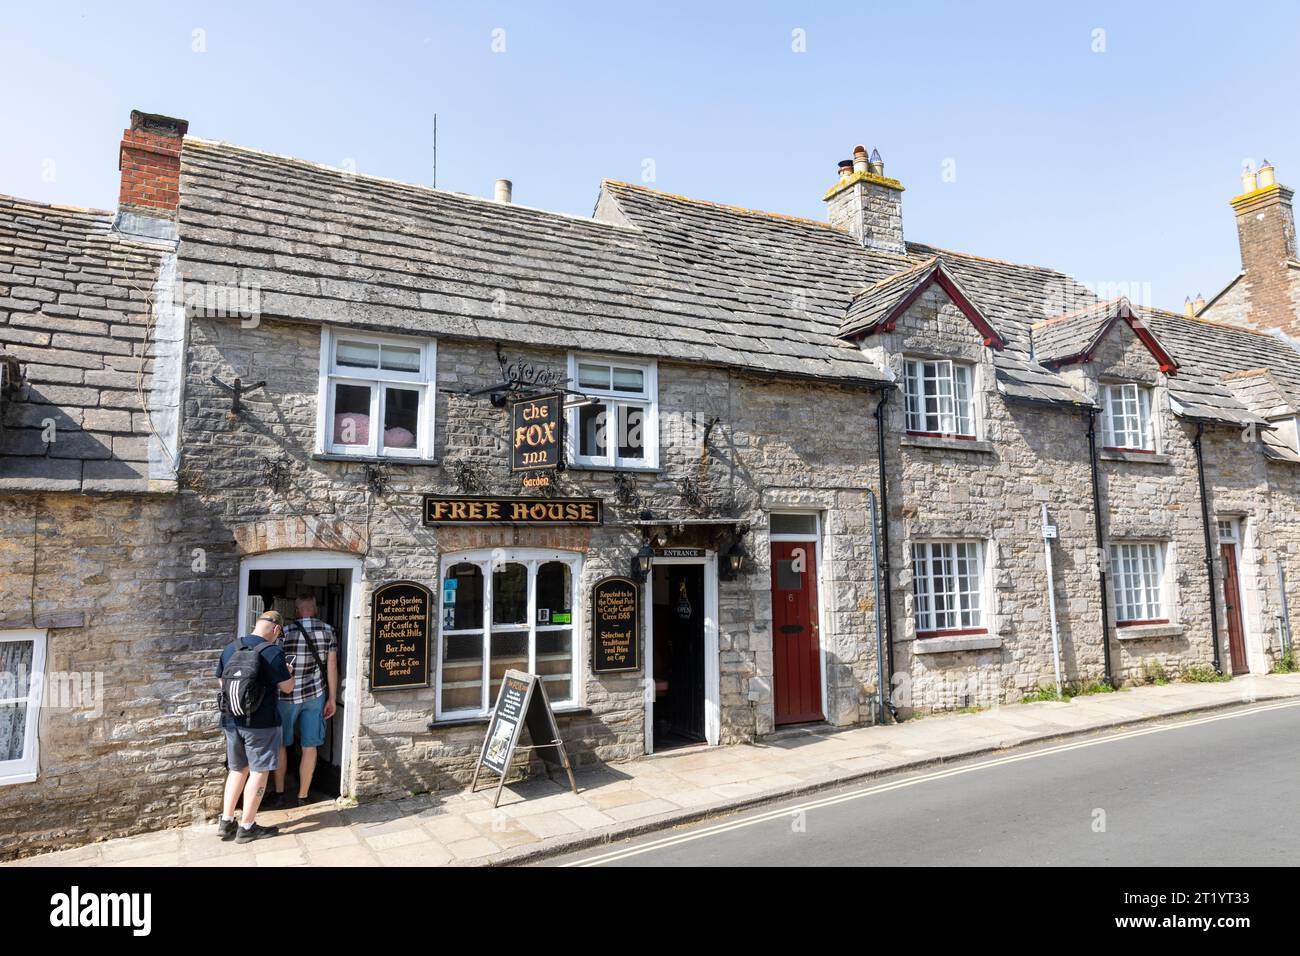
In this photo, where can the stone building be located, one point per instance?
(270, 378)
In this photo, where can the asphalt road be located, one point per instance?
(1216, 789)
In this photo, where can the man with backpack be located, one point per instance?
(253, 672)
(310, 643)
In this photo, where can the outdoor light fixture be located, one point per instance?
(641, 562)
(736, 558)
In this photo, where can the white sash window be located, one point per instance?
(938, 398)
(1127, 421)
(948, 587)
(1137, 576)
(22, 670)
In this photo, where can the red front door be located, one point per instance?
(795, 641)
(1232, 605)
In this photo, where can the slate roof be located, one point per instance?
(1069, 336)
(326, 245)
(74, 306)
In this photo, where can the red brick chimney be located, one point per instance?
(1266, 232)
(150, 161)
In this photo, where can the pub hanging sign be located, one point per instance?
(536, 433)
(489, 509)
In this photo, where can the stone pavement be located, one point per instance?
(538, 818)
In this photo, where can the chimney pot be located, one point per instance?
(503, 191)
(1199, 304)
(845, 168)
(860, 159)
(877, 165)
(1266, 176)
(1188, 309)
(1248, 183)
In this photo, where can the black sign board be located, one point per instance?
(521, 702)
(487, 509)
(615, 625)
(536, 433)
(679, 552)
(399, 636)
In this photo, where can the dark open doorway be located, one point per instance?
(276, 589)
(678, 595)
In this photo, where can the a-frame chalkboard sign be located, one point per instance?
(521, 702)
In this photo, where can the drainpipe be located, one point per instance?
(1209, 553)
(884, 558)
(880, 628)
(1101, 545)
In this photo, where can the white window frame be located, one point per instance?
(968, 619)
(532, 558)
(1133, 428)
(331, 374)
(647, 401)
(947, 411)
(27, 768)
(1139, 590)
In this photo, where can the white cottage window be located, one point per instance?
(948, 587)
(938, 398)
(1137, 575)
(22, 669)
(376, 395)
(1127, 422)
(500, 611)
(620, 429)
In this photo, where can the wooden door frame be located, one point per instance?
(821, 600)
(329, 560)
(712, 669)
(1255, 662)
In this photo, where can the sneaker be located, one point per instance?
(226, 829)
(272, 800)
(255, 832)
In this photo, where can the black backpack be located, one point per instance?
(242, 688)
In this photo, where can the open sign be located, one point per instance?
(536, 433)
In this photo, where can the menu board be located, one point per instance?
(616, 625)
(399, 636)
(521, 702)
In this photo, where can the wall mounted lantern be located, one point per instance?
(641, 562)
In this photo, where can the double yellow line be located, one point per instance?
(756, 819)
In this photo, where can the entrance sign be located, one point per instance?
(399, 636)
(615, 625)
(679, 552)
(521, 702)
(536, 433)
(486, 509)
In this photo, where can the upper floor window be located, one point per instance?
(1127, 419)
(1137, 573)
(22, 667)
(501, 611)
(376, 395)
(620, 429)
(948, 587)
(938, 395)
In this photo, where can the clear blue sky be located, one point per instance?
(1116, 166)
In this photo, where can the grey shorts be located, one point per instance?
(257, 748)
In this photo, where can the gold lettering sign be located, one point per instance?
(468, 509)
(536, 427)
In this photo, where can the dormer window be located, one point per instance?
(938, 395)
(1127, 418)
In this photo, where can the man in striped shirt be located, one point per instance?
(305, 709)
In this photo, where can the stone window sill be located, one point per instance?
(640, 470)
(1135, 457)
(1138, 632)
(948, 444)
(483, 721)
(372, 460)
(964, 642)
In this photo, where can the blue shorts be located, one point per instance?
(305, 720)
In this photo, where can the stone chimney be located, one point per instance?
(1266, 232)
(150, 163)
(867, 205)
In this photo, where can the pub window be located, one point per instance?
(506, 611)
(620, 428)
(376, 396)
(22, 665)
